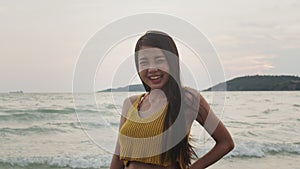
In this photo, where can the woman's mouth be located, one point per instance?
(155, 78)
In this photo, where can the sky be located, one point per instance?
(41, 40)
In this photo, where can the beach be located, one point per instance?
(268, 162)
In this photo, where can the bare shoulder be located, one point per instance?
(128, 102)
(197, 103)
(191, 95)
(191, 103)
(131, 99)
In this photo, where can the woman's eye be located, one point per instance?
(143, 63)
(160, 61)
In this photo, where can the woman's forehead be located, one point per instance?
(150, 52)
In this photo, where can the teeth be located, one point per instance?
(154, 77)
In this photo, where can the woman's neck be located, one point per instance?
(157, 95)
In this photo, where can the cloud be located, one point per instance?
(253, 64)
(45, 38)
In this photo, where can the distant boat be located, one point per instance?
(16, 92)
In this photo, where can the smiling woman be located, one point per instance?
(155, 126)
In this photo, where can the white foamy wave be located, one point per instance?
(249, 149)
(254, 149)
(67, 161)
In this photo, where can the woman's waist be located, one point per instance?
(139, 165)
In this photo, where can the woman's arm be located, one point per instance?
(116, 163)
(219, 133)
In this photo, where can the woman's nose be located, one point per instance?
(152, 67)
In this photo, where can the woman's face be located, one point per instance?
(153, 67)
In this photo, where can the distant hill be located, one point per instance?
(259, 83)
(245, 83)
(130, 88)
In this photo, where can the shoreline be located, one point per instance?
(288, 161)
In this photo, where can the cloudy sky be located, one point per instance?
(41, 40)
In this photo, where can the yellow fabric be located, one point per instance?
(140, 138)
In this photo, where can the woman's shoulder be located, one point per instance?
(129, 102)
(191, 93)
(191, 103)
(191, 97)
(131, 99)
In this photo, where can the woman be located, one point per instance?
(155, 126)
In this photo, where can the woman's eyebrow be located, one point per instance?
(143, 58)
(155, 57)
(159, 56)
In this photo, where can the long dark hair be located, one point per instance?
(173, 90)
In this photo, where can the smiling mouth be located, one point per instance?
(155, 77)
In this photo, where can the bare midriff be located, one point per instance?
(139, 165)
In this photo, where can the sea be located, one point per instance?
(66, 130)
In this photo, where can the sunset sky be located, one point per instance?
(41, 40)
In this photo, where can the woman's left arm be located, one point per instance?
(219, 133)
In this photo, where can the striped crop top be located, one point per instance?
(140, 138)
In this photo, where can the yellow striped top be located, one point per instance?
(140, 139)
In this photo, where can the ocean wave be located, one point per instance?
(110, 106)
(267, 111)
(238, 124)
(83, 125)
(79, 162)
(43, 113)
(250, 150)
(296, 105)
(95, 125)
(21, 117)
(31, 130)
(66, 110)
(259, 150)
(74, 125)
(55, 127)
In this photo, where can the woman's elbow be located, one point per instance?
(230, 145)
